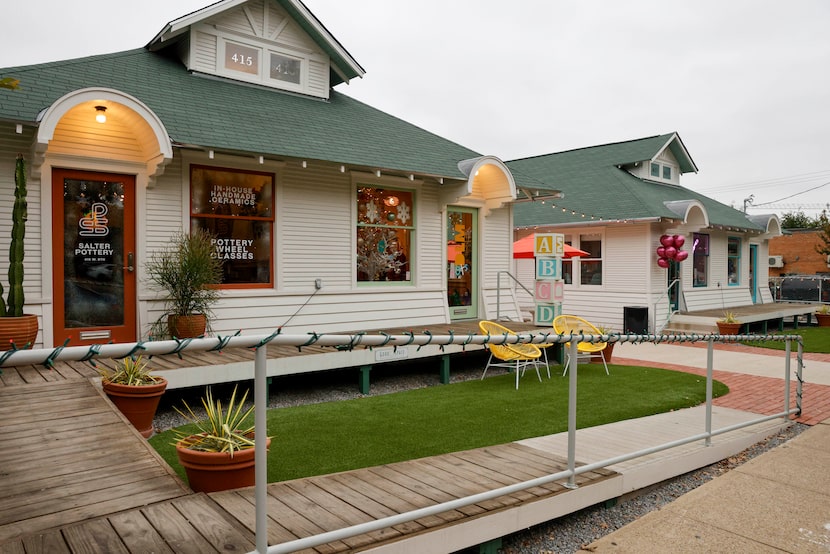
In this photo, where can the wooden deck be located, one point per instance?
(76, 477)
(68, 455)
(63, 492)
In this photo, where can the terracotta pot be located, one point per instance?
(186, 326)
(607, 352)
(20, 330)
(729, 328)
(138, 403)
(217, 471)
(823, 320)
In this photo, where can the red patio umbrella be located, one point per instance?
(523, 248)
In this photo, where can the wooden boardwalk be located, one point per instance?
(76, 477)
(68, 455)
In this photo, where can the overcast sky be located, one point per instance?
(746, 83)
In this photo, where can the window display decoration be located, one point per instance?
(383, 234)
(670, 250)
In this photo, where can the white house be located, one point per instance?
(618, 201)
(228, 120)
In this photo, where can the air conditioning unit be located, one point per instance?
(776, 261)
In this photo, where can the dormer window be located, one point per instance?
(661, 172)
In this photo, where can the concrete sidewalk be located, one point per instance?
(777, 502)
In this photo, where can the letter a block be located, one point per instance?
(549, 244)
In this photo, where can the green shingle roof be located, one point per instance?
(595, 185)
(223, 114)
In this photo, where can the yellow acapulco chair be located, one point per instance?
(573, 325)
(514, 356)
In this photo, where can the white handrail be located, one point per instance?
(89, 353)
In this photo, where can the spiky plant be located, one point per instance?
(223, 429)
(129, 371)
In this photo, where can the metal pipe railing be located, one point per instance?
(498, 291)
(89, 353)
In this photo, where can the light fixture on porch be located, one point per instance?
(101, 114)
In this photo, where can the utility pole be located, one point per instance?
(748, 201)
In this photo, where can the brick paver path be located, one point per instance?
(761, 395)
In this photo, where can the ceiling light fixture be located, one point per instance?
(101, 114)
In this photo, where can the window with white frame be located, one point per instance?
(590, 266)
(733, 261)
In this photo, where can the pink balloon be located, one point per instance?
(667, 240)
(679, 240)
(671, 252)
(661, 251)
(663, 262)
(681, 255)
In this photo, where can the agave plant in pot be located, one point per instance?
(729, 324)
(134, 391)
(219, 454)
(17, 330)
(187, 271)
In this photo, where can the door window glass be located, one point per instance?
(94, 250)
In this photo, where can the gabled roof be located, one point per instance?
(597, 186)
(195, 111)
(344, 66)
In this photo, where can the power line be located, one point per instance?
(775, 181)
(793, 195)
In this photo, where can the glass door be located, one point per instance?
(462, 245)
(753, 271)
(93, 257)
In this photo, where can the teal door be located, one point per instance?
(753, 272)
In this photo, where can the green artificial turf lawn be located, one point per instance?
(337, 436)
(816, 339)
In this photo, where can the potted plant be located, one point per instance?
(823, 316)
(134, 391)
(608, 351)
(187, 271)
(17, 330)
(729, 324)
(219, 455)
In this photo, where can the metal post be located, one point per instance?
(799, 376)
(260, 446)
(787, 350)
(710, 354)
(572, 365)
(498, 296)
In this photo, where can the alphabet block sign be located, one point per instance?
(549, 291)
(548, 268)
(549, 244)
(545, 314)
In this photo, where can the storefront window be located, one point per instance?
(733, 261)
(700, 260)
(237, 207)
(385, 223)
(567, 264)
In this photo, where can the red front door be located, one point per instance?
(93, 246)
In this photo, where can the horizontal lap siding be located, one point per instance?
(495, 258)
(315, 228)
(331, 312)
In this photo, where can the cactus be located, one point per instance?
(14, 305)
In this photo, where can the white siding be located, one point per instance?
(496, 248)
